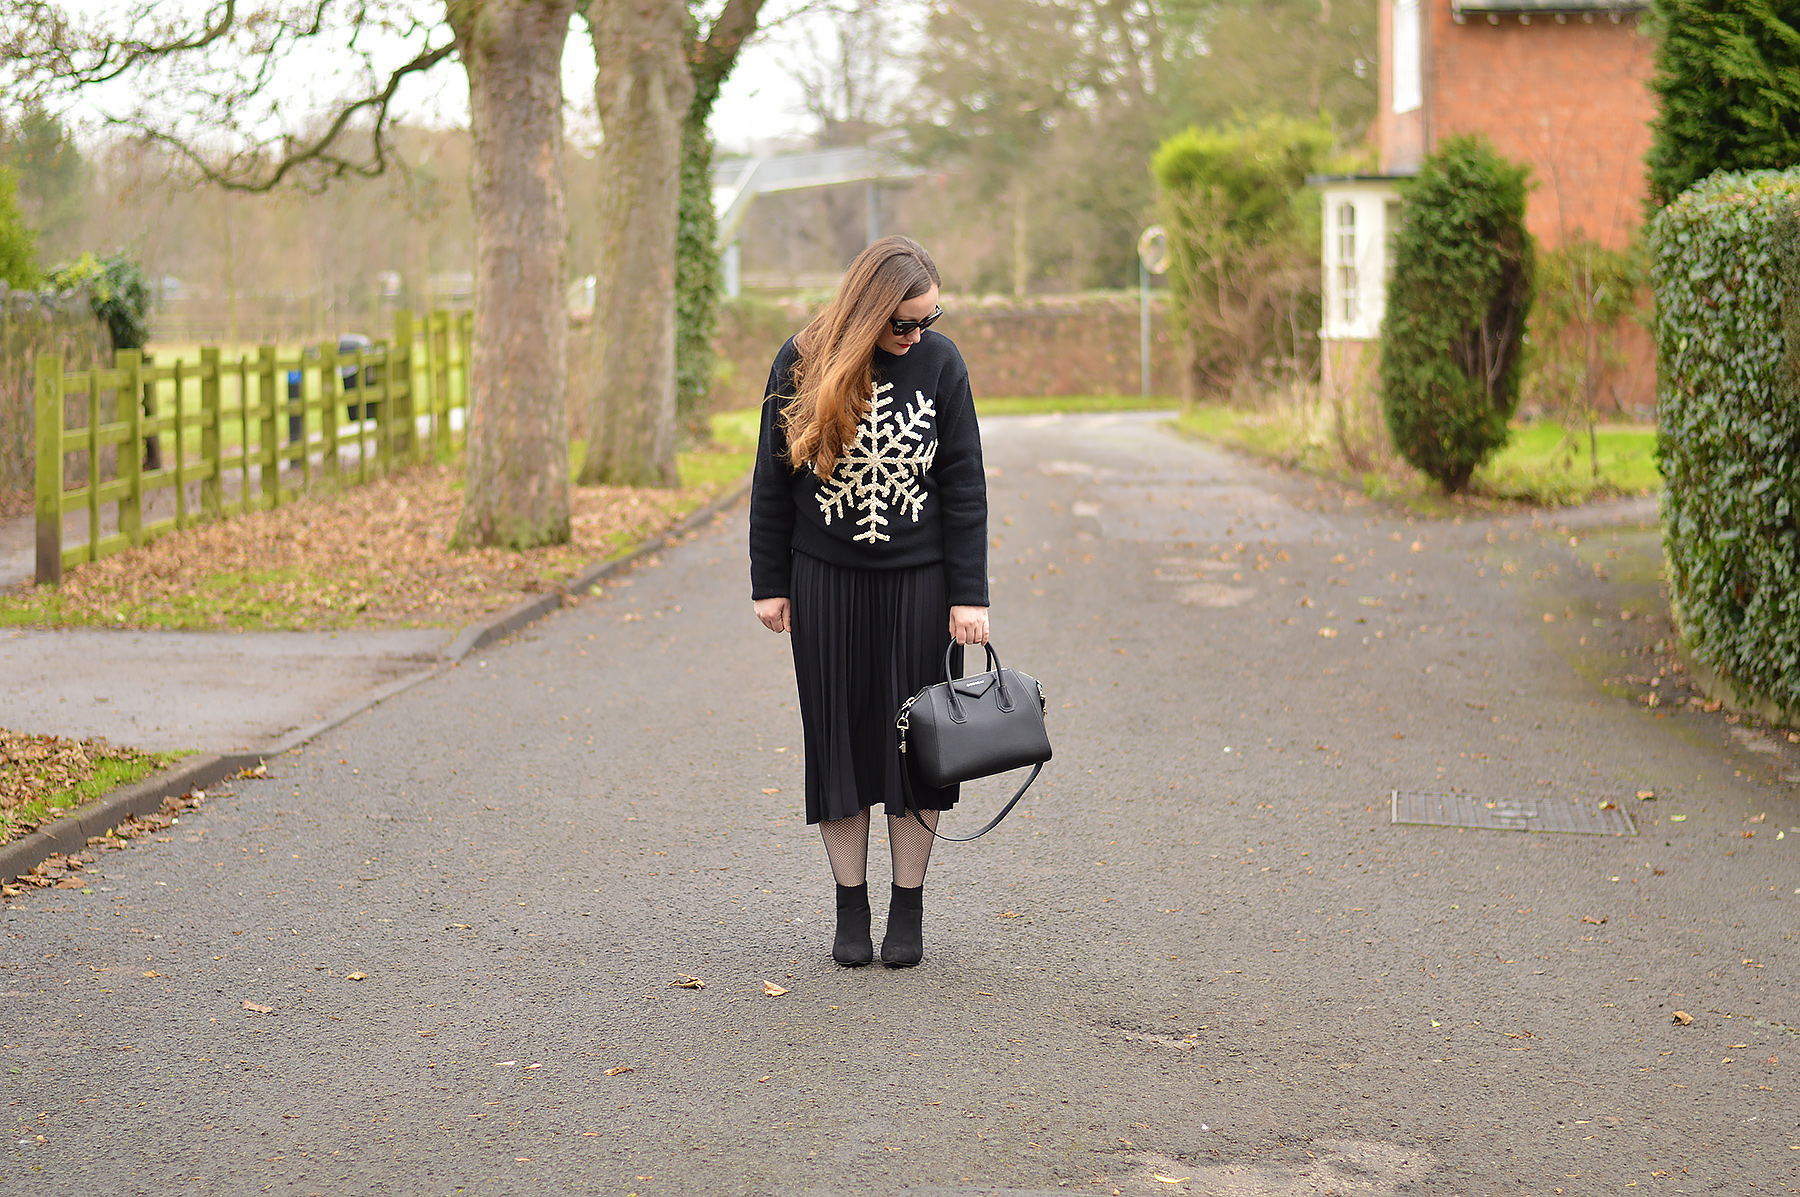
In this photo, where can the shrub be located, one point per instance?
(1244, 247)
(1585, 294)
(1728, 88)
(18, 244)
(121, 295)
(1456, 310)
(1726, 270)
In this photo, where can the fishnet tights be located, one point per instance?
(910, 845)
(847, 847)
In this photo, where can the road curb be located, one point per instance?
(480, 635)
(70, 832)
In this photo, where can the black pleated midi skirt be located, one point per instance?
(865, 641)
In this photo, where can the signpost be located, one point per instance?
(1153, 258)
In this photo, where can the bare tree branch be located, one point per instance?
(211, 86)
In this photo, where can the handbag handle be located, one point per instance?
(993, 661)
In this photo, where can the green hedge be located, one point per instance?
(1726, 269)
(1457, 306)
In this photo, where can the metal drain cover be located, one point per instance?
(1508, 814)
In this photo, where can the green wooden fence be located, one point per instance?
(228, 430)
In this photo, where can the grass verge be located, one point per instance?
(42, 777)
(1541, 465)
(370, 556)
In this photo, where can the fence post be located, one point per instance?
(176, 435)
(400, 370)
(212, 465)
(465, 326)
(268, 455)
(433, 354)
(49, 470)
(131, 453)
(330, 391)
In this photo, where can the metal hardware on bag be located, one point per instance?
(904, 721)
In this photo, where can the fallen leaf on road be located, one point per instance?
(1759, 818)
(1009, 914)
(506, 1064)
(1682, 1017)
(356, 976)
(1677, 818)
(1646, 795)
(1169, 1180)
(771, 789)
(1520, 1035)
(256, 1009)
(772, 989)
(686, 982)
(621, 1070)
(529, 1067)
(1328, 633)
(153, 974)
(1598, 922)
(1609, 805)
(761, 1079)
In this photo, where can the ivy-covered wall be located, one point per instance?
(1726, 271)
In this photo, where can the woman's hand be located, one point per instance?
(776, 614)
(968, 625)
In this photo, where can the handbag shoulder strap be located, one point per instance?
(912, 804)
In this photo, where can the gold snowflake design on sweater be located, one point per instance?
(881, 472)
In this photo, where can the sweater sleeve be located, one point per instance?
(772, 495)
(962, 489)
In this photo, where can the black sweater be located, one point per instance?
(910, 492)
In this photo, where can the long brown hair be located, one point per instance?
(834, 375)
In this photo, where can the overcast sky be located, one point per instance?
(760, 101)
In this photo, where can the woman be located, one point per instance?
(868, 541)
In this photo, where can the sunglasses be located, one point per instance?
(902, 327)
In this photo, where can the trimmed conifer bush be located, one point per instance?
(1456, 310)
(1728, 89)
(1726, 269)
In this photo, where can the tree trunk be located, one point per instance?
(517, 483)
(642, 92)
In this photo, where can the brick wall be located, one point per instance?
(1570, 99)
(1055, 345)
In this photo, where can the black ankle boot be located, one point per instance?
(904, 944)
(852, 946)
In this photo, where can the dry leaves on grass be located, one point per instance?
(33, 767)
(371, 556)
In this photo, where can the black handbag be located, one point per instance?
(962, 728)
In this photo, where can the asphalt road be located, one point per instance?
(1200, 959)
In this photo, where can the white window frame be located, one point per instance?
(1407, 59)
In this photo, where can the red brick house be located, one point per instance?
(1560, 85)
